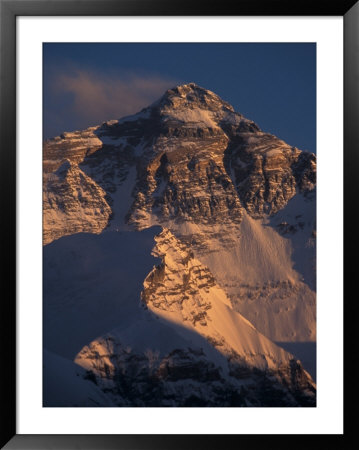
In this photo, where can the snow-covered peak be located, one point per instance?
(190, 105)
(191, 96)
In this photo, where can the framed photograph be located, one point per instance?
(174, 179)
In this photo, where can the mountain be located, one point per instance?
(150, 334)
(233, 209)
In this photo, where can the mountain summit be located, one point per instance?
(191, 96)
(236, 206)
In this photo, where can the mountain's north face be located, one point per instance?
(234, 210)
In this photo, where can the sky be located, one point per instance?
(273, 84)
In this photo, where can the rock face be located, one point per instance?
(72, 146)
(237, 211)
(72, 202)
(180, 284)
(270, 178)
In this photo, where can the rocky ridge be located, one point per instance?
(187, 377)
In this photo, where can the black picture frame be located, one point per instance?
(9, 10)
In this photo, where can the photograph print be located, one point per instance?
(179, 225)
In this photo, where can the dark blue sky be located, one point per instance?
(272, 84)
